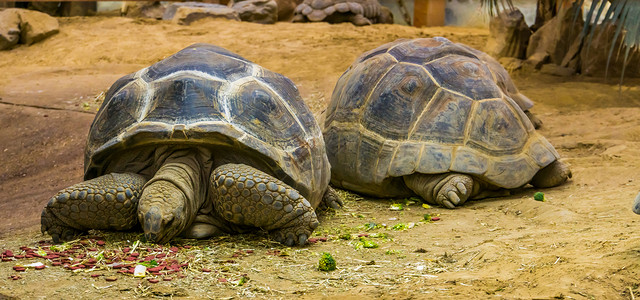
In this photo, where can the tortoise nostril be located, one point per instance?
(151, 237)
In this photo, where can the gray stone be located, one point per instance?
(9, 28)
(189, 12)
(537, 60)
(556, 37)
(553, 69)
(25, 27)
(36, 26)
(257, 11)
(508, 35)
(511, 63)
(145, 9)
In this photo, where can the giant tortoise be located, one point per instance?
(427, 117)
(201, 143)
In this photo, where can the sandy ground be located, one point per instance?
(580, 243)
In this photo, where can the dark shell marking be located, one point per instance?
(207, 96)
(429, 106)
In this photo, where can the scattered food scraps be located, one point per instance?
(327, 262)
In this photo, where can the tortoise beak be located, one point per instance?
(157, 229)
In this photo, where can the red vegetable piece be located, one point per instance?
(435, 218)
(167, 279)
(93, 249)
(249, 251)
(41, 267)
(111, 278)
(174, 249)
(92, 260)
(6, 259)
(96, 275)
(56, 263)
(154, 280)
(19, 268)
(126, 249)
(206, 270)
(156, 269)
(100, 243)
(8, 253)
(135, 254)
(186, 247)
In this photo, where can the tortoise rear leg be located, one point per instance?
(448, 190)
(108, 202)
(552, 175)
(537, 123)
(244, 195)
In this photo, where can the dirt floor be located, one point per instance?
(580, 243)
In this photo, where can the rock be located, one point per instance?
(145, 9)
(537, 60)
(556, 37)
(9, 28)
(553, 69)
(286, 9)
(257, 11)
(189, 12)
(36, 26)
(509, 35)
(25, 27)
(511, 63)
(593, 57)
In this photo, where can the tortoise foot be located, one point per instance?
(331, 199)
(552, 175)
(247, 196)
(454, 190)
(108, 202)
(448, 189)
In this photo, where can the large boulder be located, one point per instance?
(9, 28)
(509, 35)
(257, 11)
(145, 9)
(36, 26)
(556, 37)
(25, 27)
(189, 12)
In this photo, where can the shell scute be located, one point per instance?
(444, 120)
(496, 129)
(185, 99)
(401, 94)
(464, 75)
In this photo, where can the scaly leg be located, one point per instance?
(552, 175)
(108, 202)
(448, 190)
(244, 195)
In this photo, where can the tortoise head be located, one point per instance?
(162, 211)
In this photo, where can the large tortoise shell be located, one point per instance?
(429, 106)
(206, 96)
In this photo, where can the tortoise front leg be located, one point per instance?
(244, 195)
(448, 189)
(108, 202)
